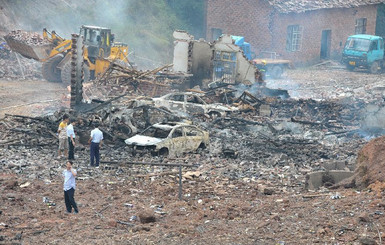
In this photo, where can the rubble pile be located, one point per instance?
(14, 66)
(241, 145)
(252, 174)
(119, 79)
(29, 38)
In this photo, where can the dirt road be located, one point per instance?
(31, 97)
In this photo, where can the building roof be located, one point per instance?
(298, 6)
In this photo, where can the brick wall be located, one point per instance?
(248, 18)
(341, 22)
(266, 30)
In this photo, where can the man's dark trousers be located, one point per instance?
(70, 201)
(71, 149)
(95, 153)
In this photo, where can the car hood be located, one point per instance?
(142, 140)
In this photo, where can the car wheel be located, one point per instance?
(214, 115)
(133, 152)
(374, 67)
(201, 148)
(163, 152)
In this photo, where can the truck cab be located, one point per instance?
(365, 51)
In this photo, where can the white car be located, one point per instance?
(192, 103)
(171, 139)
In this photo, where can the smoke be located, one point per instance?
(260, 91)
(146, 25)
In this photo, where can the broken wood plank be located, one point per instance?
(32, 118)
(124, 223)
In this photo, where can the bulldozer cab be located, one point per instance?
(97, 40)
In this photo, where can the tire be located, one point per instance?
(374, 67)
(163, 152)
(214, 115)
(50, 71)
(276, 72)
(350, 67)
(66, 73)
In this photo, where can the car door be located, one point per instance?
(375, 53)
(193, 138)
(177, 142)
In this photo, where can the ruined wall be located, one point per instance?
(341, 22)
(248, 18)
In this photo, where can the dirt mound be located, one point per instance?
(370, 165)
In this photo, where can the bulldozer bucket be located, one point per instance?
(36, 52)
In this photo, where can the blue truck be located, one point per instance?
(364, 51)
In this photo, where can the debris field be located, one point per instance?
(248, 186)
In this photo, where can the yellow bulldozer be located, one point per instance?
(100, 50)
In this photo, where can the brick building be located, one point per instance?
(304, 31)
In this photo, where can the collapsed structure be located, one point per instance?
(218, 62)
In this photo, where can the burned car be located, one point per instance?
(192, 103)
(172, 139)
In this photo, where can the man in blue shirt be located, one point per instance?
(69, 188)
(95, 142)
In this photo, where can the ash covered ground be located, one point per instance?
(256, 195)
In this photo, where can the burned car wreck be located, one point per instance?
(192, 103)
(168, 139)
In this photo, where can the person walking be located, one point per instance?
(63, 142)
(95, 142)
(71, 139)
(69, 188)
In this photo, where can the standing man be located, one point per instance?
(95, 142)
(69, 188)
(71, 139)
(63, 142)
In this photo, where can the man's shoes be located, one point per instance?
(67, 212)
(97, 167)
(76, 212)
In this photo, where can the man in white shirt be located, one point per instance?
(95, 142)
(71, 139)
(69, 188)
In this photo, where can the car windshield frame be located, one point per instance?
(358, 44)
(156, 132)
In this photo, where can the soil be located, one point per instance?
(370, 165)
(140, 205)
(31, 97)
